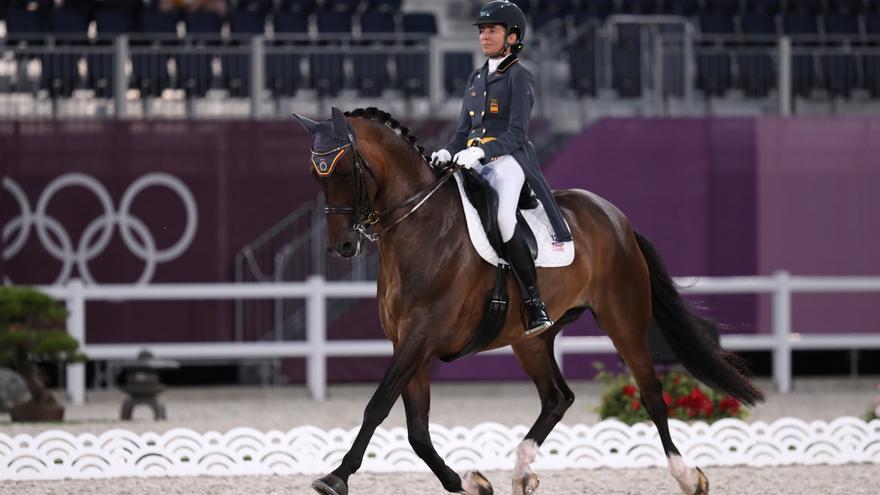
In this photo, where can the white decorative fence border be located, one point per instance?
(58, 454)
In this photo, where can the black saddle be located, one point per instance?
(485, 199)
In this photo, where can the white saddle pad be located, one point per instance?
(550, 253)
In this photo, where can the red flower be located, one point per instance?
(667, 399)
(630, 390)
(634, 405)
(729, 404)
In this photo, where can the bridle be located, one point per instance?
(363, 214)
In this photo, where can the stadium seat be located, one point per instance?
(541, 20)
(626, 74)
(290, 22)
(457, 68)
(845, 6)
(758, 24)
(524, 5)
(715, 23)
(283, 75)
(582, 63)
(69, 21)
(303, 7)
(327, 70)
(259, 6)
(149, 64)
(378, 23)
(839, 23)
(872, 23)
(555, 7)
(687, 8)
(412, 74)
(388, 6)
(802, 64)
(596, 8)
(108, 22)
(244, 22)
(728, 7)
(640, 7)
(764, 7)
(343, 6)
(807, 7)
(21, 21)
(420, 23)
(194, 66)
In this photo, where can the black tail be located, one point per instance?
(691, 337)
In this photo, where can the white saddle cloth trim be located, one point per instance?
(550, 253)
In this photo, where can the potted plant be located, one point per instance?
(32, 332)
(686, 399)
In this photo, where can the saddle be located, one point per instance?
(484, 198)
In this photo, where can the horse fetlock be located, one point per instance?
(692, 481)
(474, 483)
(525, 485)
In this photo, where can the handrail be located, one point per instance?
(316, 349)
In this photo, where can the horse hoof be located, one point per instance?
(702, 483)
(474, 483)
(526, 484)
(330, 485)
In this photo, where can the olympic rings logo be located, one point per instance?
(98, 233)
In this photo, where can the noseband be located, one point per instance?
(363, 215)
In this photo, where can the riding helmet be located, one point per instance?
(506, 13)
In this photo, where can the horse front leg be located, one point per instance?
(408, 357)
(417, 403)
(536, 358)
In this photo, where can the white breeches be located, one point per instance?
(507, 178)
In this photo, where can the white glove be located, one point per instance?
(440, 157)
(469, 157)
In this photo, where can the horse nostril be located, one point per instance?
(347, 247)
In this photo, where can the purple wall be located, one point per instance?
(717, 197)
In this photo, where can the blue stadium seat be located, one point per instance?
(108, 22)
(371, 73)
(247, 22)
(840, 72)
(236, 66)
(420, 23)
(22, 21)
(334, 23)
(872, 74)
(327, 70)
(69, 21)
(715, 23)
(150, 70)
(872, 23)
(389, 6)
(582, 63)
(839, 23)
(412, 74)
(686, 8)
(714, 75)
(201, 22)
(377, 23)
(541, 19)
(261, 6)
(845, 6)
(809, 7)
(457, 68)
(757, 74)
(803, 68)
(194, 66)
(524, 5)
(304, 7)
(765, 7)
(729, 7)
(555, 7)
(343, 6)
(290, 22)
(758, 24)
(640, 6)
(597, 8)
(626, 74)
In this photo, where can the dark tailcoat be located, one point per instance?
(495, 115)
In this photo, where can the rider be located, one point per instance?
(493, 129)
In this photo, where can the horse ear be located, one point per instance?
(340, 126)
(309, 124)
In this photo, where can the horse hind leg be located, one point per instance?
(628, 329)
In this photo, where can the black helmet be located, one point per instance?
(508, 14)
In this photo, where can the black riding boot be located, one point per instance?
(520, 258)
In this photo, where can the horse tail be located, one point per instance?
(691, 337)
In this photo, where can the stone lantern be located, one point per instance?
(141, 383)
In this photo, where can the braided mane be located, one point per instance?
(383, 117)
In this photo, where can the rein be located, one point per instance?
(363, 214)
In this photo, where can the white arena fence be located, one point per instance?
(57, 454)
(781, 340)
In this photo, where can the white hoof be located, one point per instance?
(692, 481)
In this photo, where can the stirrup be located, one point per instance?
(543, 320)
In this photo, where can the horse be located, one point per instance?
(432, 285)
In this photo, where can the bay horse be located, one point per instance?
(432, 286)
